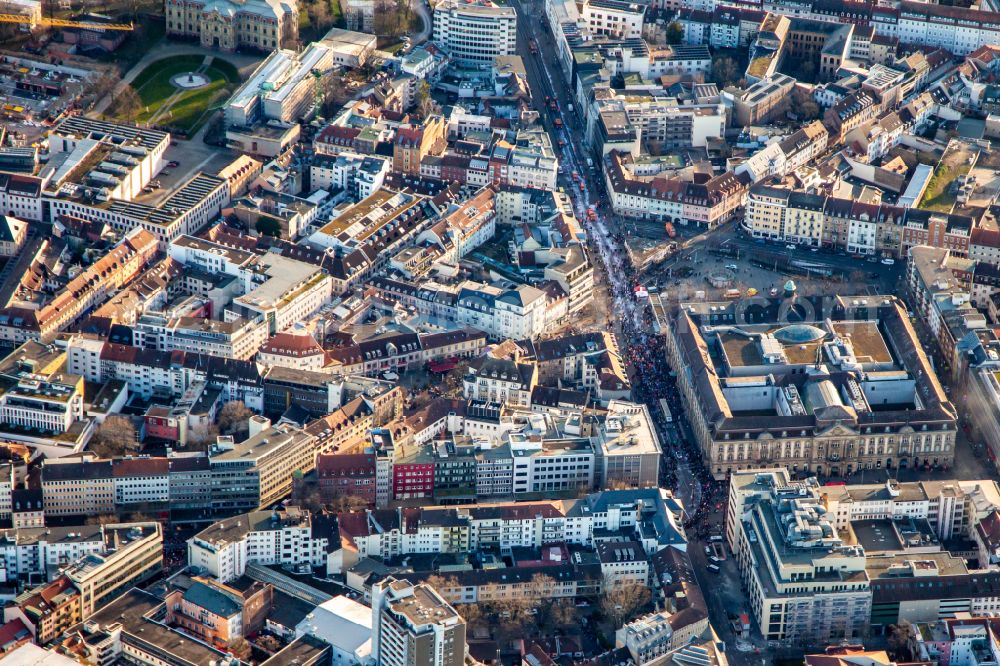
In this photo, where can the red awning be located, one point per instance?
(443, 366)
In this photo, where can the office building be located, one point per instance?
(804, 583)
(848, 388)
(290, 537)
(257, 472)
(475, 33)
(412, 625)
(133, 554)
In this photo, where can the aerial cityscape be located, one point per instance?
(500, 332)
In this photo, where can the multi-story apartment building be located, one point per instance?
(623, 563)
(781, 214)
(83, 486)
(804, 583)
(282, 291)
(257, 472)
(265, 26)
(629, 451)
(518, 313)
(940, 285)
(39, 553)
(777, 213)
(358, 175)
(87, 290)
(753, 410)
(217, 613)
(8, 482)
(475, 33)
(238, 338)
(550, 465)
(412, 625)
(567, 580)
(360, 15)
(189, 482)
(413, 143)
(47, 610)
(671, 199)
(501, 380)
(147, 372)
(21, 195)
(141, 484)
(133, 553)
(984, 245)
(651, 636)
(346, 475)
(664, 121)
(573, 271)
(614, 18)
(288, 537)
(130, 627)
(952, 509)
(50, 405)
(473, 527)
(761, 100)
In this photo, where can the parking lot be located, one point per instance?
(191, 157)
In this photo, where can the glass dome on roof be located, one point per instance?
(799, 333)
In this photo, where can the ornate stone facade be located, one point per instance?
(228, 25)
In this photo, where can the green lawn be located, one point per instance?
(954, 164)
(938, 198)
(191, 107)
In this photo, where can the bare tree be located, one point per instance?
(202, 436)
(551, 611)
(426, 104)
(127, 104)
(392, 17)
(899, 640)
(102, 519)
(114, 438)
(240, 648)
(447, 586)
(472, 614)
(268, 643)
(234, 419)
(344, 503)
(319, 14)
(101, 85)
(564, 613)
(620, 603)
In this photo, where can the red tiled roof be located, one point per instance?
(122, 467)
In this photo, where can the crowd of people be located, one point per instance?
(645, 355)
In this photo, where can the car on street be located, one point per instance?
(888, 261)
(789, 246)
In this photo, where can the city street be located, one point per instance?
(643, 351)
